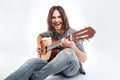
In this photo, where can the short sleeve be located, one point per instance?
(80, 46)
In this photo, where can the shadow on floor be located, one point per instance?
(59, 77)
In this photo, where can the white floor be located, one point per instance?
(79, 77)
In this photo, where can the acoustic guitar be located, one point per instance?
(48, 45)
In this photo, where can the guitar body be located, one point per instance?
(45, 55)
(55, 50)
(48, 54)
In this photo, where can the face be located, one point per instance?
(57, 20)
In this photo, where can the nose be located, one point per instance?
(56, 20)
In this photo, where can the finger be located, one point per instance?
(62, 42)
(63, 39)
(39, 47)
(38, 51)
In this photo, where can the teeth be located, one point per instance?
(56, 24)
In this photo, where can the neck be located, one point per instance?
(60, 31)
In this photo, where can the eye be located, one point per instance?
(59, 16)
(53, 17)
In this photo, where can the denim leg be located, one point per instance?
(69, 64)
(73, 67)
(26, 70)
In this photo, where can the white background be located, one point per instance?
(22, 20)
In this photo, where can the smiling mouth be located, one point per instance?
(57, 24)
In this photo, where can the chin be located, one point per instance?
(58, 28)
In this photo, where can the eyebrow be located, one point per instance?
(57, 16)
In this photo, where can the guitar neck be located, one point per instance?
(54, 45)
(82, 34)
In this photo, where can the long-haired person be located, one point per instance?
(63, 57)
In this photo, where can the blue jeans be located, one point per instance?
(38, 69)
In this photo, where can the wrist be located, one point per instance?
(73, 47)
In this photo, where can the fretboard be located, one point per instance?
(54, 45)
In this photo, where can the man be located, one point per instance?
(64, 59)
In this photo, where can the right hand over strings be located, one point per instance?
(38, 50)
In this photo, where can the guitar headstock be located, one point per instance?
(83, 34)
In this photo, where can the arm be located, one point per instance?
(39, 45)
(81, 55)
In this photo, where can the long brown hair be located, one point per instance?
(65, 25)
